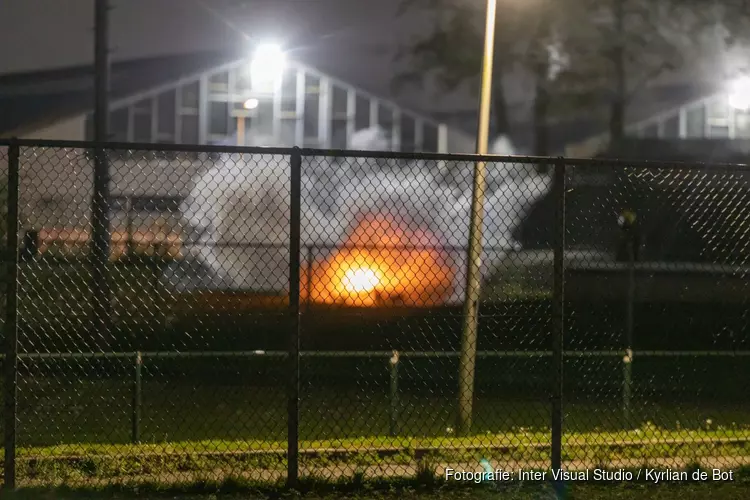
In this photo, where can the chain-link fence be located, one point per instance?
(271, 315)
(672, 303)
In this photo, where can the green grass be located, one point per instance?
(201, 435)
(72, 411)
(79, 432)
(521, 440)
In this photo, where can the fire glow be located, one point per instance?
(384, 262)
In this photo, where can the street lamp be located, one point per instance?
(467, 364)
(267, 66)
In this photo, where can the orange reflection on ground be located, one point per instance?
(361, 275)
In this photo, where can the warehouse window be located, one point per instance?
(289, 90)
(262, 123)
(118, 128)
(338, 101)
(696, 122)
(362, 114)
(338, 134)
(142, 128)
(408, 138)
(219, 83)
(142, 121)
(166, 111)
(672, 128)
(219, 123)
(742, 125)
(190, 95)
(385, 117)
(430, 139)
(242, 83)
(312, 108)
(89, 134)
(189, 132)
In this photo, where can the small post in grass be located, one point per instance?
(629, 224)
(393, 369)
(137, 399)
(627, 381)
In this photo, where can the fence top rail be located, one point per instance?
(395, 155)
(286, 151)
(368, 354)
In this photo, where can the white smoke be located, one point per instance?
(242, 202)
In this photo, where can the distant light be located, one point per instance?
(251, 103)
(739, 94)
(267, 66)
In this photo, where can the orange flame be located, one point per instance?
(368, 273)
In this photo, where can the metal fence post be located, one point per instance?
(393, 363)
(294, 312)
(100, 230)
(11, 319)
(558, 320)
(137, 398)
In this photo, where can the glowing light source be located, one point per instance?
(360, 280)
(267, 66)
(739, 94)
(251, 103)
(378, 267)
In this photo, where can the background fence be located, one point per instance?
(277, 314)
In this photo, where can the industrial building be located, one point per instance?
(684, 112)
(204, 99)
(213, 98)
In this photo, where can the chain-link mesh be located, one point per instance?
(656, 293)
(172, 389)
(3, 273)
(386, 295)
(187, 377)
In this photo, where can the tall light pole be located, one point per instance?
(100, 237)
(467, 365)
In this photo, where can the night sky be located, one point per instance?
(352, 39)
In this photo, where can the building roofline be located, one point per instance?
(230, 60)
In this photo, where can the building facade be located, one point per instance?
(200, 101)
(710, 117)
(706, 114)
(303, 108)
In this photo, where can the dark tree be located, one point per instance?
(611, 50)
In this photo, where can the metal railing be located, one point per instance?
(391, 360)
